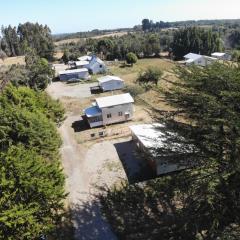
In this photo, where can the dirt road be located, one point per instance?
(81, 174)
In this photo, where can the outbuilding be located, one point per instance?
(74, 74)
(110, 83)
(221, 56)
(152, 140)
(197, 59)
(109, 110)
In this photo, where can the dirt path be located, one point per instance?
(87, 218)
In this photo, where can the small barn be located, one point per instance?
(221, 56)
(74, 74)
(110, 83)
(152, 140)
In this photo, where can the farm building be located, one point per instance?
(76, 74)
(111, 109)
(197, 59)
(151, 139)
(221, 56)
(96, 65)
(108, 83)
(85, 58)
(81, 64)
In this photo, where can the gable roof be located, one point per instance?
(85, 58)
(109, 78)
(72, 71)
(192, 56)
(81, 63)
(114, 100)
(218, 54)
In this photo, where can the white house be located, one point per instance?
(96, 65)
(151, 139)
(111, 109)
(197, 59)
(74, 74)
(221, 56)
(110, 83)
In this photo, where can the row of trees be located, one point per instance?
(16, 41)
(31, 179)
(143, 45)
(198, 203)
(195, 40)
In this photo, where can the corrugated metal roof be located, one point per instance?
(93, 111)
(114, 100)
(73, 71)
(109, 78)
(218, 54)
(81, 63)
(85, 58)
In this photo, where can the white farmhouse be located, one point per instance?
(151, 140)
(74, 74)
(111, 109)
(197, 59)
(110, 83)
(96, 65)
(221, 56)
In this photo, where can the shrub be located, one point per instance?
(131, 58)
(151, 75)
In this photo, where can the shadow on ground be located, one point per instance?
(89, 223)
(81, 125)
(135, 166)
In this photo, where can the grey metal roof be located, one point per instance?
(192, 56)
(114, 100)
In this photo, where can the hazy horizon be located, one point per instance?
(76, 16)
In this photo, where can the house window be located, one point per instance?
(100, 66)
(120, 114)
(109, 115)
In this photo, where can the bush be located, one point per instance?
(151, 75)
(131, 58)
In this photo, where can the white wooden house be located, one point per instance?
(151, 140)
(199, 60)
(96, 65)
(110, 83)
(110, 109)
(74, 74)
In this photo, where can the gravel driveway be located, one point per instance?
(78, 90)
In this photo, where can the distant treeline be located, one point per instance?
(17, 41)
(150, 25)
(88, 34)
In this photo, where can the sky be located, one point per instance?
(64, 16)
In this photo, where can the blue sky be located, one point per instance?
(81, 15)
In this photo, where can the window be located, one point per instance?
(100, 66)
(120, 114)
(92, 135)
(109, 115)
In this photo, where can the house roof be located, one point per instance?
(81, 63)
(149, 134)
(73, 71)
(114, 100)
(218, 54)
(109, 78)
(85, 58)
(93, 111)
(192, 56)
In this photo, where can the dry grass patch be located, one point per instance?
(13, 60)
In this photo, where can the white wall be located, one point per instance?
(114, 111)
(112, 85)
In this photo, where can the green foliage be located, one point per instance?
(31, 194)
(195, 40)
(198, 203)
(16, 41)
(31, 181)
(131, 58)
(151, 75)
(37, 73)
